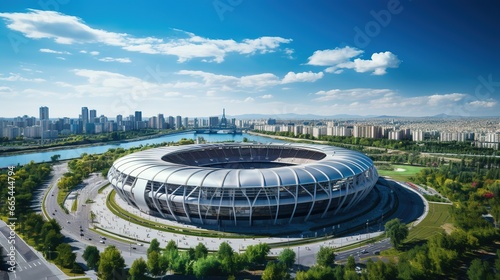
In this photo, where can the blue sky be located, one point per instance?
(193, 58)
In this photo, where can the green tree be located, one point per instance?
(182, 263)
(208, 266)
(226, 256)
(287, 257)
(380, 270)
(200, 251)
(171, 245)
(65, 256)
(325, 256)
(154, 245)
(111, 263)
(351, 263)
(396, 231)
(138, 270)
(55, 158)
(256, 254)
(479, 270)
(91, 256)
(154, 263)
(275, 271)
(52, 240)
(319, 273)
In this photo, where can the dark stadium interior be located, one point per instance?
(245, 156)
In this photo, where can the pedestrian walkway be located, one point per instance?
(108, 221)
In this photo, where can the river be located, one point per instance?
(70, 153)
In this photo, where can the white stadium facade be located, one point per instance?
(244, 184)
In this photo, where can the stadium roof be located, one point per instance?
(336, 163)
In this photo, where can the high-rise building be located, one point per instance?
(119, 119)
(93, 115)
(44, 113)
(171, 122)
(178, 122)
(160, 122)
(85, 118)
(186, 122)
(213, 121)
(138, 116)
(153, 122)
(137, 119)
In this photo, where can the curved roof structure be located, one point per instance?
(243, 165)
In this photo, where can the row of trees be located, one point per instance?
(45, 236)
(194, 261)
(23, 182)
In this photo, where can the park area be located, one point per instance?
(398, 172)
(434, 223)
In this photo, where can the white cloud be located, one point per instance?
(249, 99)
(105, 83)
(266, 96)
(5, 89)
(250, 81)
(352, 94)
(483, 104)
(14, 77)
(340, 58)
(259, 80)
(333, 57)
(61, 58)
(94, 53)
(65, 29)
(111, 59)
(292, 77)
(443, 99)
(53, 51)
(387, 101)
(378, 63)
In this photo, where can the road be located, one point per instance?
(77, 224)
(29, 263)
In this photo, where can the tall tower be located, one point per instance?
(44, 113)
(85, 118)
(93, 115)
(223, 120)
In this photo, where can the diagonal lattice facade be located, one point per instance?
(244, 184)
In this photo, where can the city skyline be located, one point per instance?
(392, 58)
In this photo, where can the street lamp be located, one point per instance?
(367, 229)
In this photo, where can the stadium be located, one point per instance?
(244, 184)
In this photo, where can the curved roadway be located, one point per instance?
(410, 208)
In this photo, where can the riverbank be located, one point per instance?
(65, 153)
(30, 149)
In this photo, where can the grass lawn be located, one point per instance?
(432, 224)
(401, 175)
